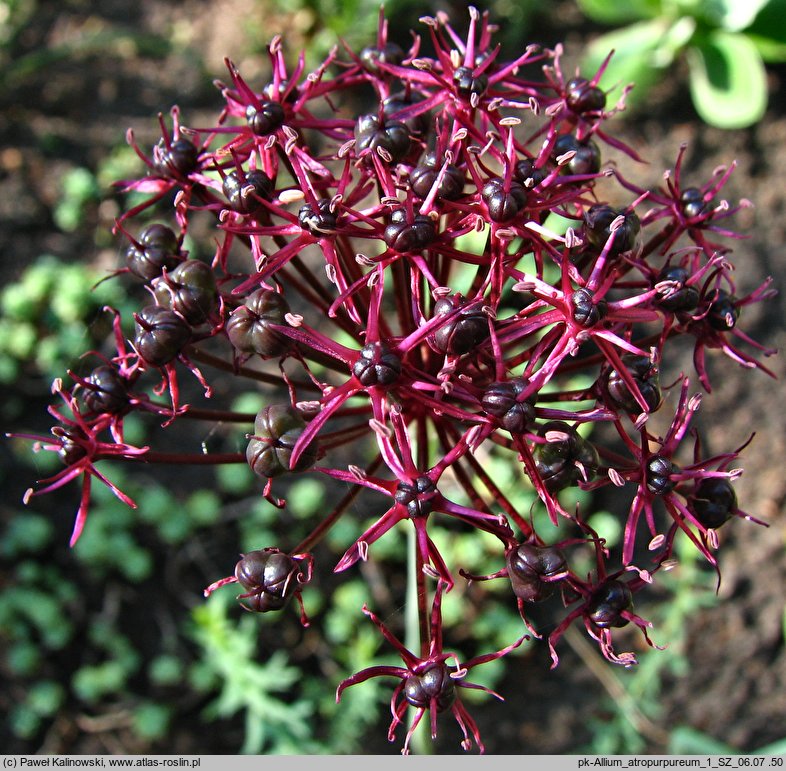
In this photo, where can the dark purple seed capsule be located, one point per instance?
(392, 137)
(723, 313)
(265, 119)
(372, 56)
(250, 326)
(501, 400)
(586, 312)
(526, 173)
(190, 289)
(417, 124)
(468, 85)
(464, 332)
(644, 374)
(607, 603)
(597, 228)
(528, 567)
(503, 202)
(277, 429)
(714, 502)
(433, 685)
(565, 461)
(72, 443)
(678, 296)
(693, 203)
(404, 236)
(270, 578)
(418, 496)
(180, 159)
(425, 174)
(319, 220)
(658, 475)
(106, 390)
(161, 334)
(581, 96)
(587, 154)
(158, 249)
(377, 365)
(245, 192)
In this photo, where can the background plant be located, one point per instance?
(725, 45)
(189, 545)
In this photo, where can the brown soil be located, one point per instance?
(70, 112)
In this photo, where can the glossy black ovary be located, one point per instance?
(529, 566)
(723, 312)
(468, 85)
(646, 377)
(270, 578)
(586, 158)
(180, 159)
(190, 289)
(586, 312)
(377, 365)
(432, 685)
(659, 471)
(501, 400)
(318, 219)
(528, 174)
(246, 191)
(250, 327)
(564, 461)
(581, 96)
(403, 235)
(106, 390)
(372, 56)
(464, 331)
(425, 174)
(713, 502)
(693, 203)
(157, 249)
(391, 137)
(597, 228)
(265, 119)
(678, 296)
(503, 201)
(277, 429)
(161, 334)
(607, 604)
(418, 496)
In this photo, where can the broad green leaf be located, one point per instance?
(728, 82)
(735, 15)
(635, 48)
(616, 13)
(768, 31)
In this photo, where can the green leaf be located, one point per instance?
(616, 13)
(736, 15)
(635, 48)
(685, 740)
(728, 82)
(768, 31)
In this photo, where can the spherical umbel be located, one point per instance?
(529, 566)
(270, 579)
(607, 603)
(464, 331)
(377, 365)
(714, 502)
(501, 400)
(433, 684)
(161, 334)
(250, 326)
